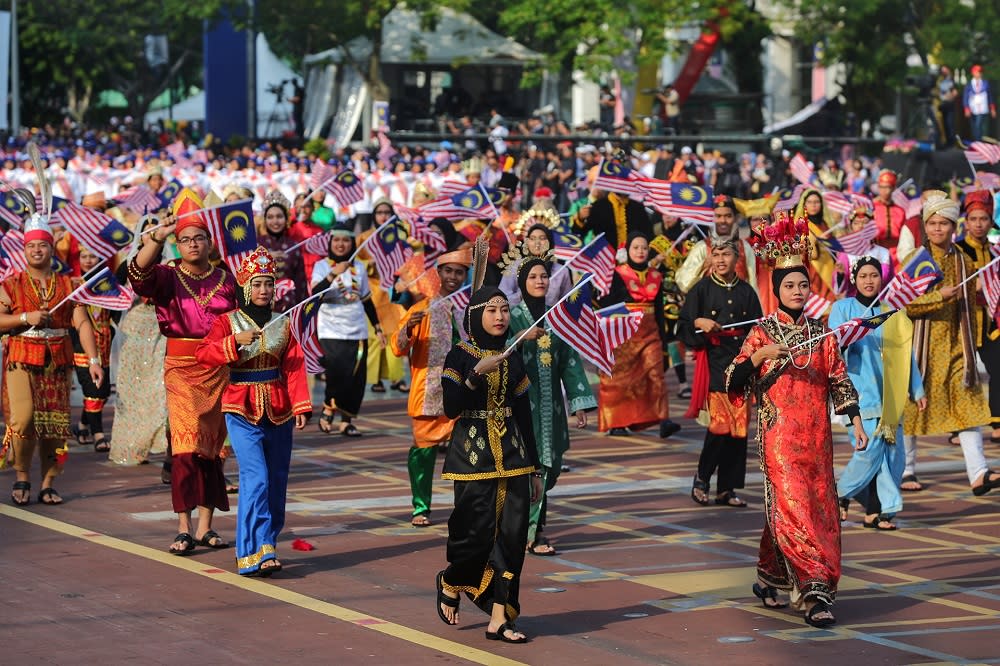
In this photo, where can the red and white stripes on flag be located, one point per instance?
(837, 202)
(318, 244)
(12, 245)
(816, 306)
(419, 229)
(576, 324)
(989, 277)
(612, 177)
(980, 152)
(786, 203)
(616, 325)
(87, 224)
(903, 289)
(302, 321)
(140, 199)
(858, 328)
(385, 150)
(598, 259)
(801, 170)
(104, 291)
(321, 173)
(860, 241)
(985, 180)
(283, 287)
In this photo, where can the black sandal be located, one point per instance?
(400, 386)
(325, 423)
(845, 504)
(24, 487)
(730, 498)
(231, 488)
(182, 538)
(501, 634)
(350, 431)
(910, 478)
(442, 598)
(991, 480)
(541, 542)
(378, 388)
(877, 523)
(102, 445)
(703, 487)
(820, 607)
(82, 435)
(767, 592)
(165, 473)
(268, 571)
(49, 496)
(209, 537)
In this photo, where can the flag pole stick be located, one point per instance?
(496, 213)
(451, 295)
(590, 276)
(977, 272)
(76, 291)
(298, 305)
(565, 264)
(196, 212)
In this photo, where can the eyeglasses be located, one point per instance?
(192, 240)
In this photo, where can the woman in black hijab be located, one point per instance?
(494, 464)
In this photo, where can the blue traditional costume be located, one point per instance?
(267, 387)
(873, 475)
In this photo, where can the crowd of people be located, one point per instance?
(209, 365)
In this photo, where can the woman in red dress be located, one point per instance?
(794, 371)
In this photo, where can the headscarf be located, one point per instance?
(473, 320)
(858, 264)
(777, 276)
(628, 243)
(937, 202)
(340, 229)
(548, 234)
(447, 230)
(536, 304)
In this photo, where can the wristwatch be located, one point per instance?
(94, 360)
(24, 317)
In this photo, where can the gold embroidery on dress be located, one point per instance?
(255, 559)
(273, 341)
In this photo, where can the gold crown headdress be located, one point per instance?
(473, 165)
(782, 241)
(259, 263)
(546, 216)
(276, 198)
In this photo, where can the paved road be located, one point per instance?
(644, 576)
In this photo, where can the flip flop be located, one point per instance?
(208, 537)
(501, 634)
(443, 598)
(351, 431)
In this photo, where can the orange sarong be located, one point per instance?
(635, 395)
(194, 400)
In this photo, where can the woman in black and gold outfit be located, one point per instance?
(494, 464)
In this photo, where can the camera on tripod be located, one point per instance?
(923, 83)
(278, 89)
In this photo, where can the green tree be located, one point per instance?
(70, 51)
(872, 41)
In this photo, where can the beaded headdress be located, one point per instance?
(276, 198)
(259, 263)
(782, 241)
(546, 216)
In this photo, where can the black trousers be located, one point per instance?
(726, 454)
(990, 354)
(346, 366)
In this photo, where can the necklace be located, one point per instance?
(719, 281)
(50, 290)
(202, 301)
(194, 276)
(791, 357)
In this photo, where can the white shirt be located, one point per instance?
(341, 313)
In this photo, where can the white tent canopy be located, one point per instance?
(457, 39)
(272, 119)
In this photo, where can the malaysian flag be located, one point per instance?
(12, 247)
(574, 321)
(302, 321)
(169, 192)
(12, 209)
(345, 187)
(318, 244)
(231, 228)
(917, 276)
(320, 175)
(598, 259)
(907, 197)
(139, 199)
(690, 202)
(861, 201)
(613, 176)
(104, 291)
(450, 188)
(985, 180)
(470, 203)
(283, 287)
(566, 245)
(837, 202)
(788, 198)
(980, 152)
(989, 277)
(434, 243)
(801, 170)
(101, 234)
(389, 252)
(855, 329)
(385, 150)
(615, 326)
(816, 306)
(856, 242)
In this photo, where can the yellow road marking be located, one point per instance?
(342, 613)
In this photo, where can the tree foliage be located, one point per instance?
(872, 40)
(71, 51)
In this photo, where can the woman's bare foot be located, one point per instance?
(451, 614)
